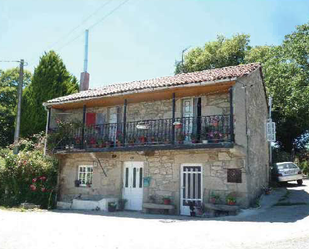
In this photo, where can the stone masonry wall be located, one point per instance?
(164, 168)
(213, 104)
(250, 108)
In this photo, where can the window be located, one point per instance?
(234, 175)
(85, 173)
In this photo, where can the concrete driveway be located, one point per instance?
(281, 222)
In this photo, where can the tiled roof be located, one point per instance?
(214, 75)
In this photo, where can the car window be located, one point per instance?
(292, 166)
(283, 166)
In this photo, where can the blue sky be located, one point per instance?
(140, 40)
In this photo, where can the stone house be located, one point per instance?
(188, 137)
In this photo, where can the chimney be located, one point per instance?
(84, 77)
(84, 81)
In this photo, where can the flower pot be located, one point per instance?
(231, 203)
(205, 141)
(166, 201)
(77, 183)
(213, 200)
(112, 208)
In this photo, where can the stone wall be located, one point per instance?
(164, 168)
(213, 104)
(251, 113)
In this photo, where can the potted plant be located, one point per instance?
(205, 135)
(180, 138)
(177, 125)
(112, 206)
(215, 136)
(194, 138)
(152, 199)
(107, 141)
(122, 204)
(166, 200)
(101, 143)
(215, 122)
(77, 183)
(215, 198)
(230, 200)
(132, 141)
(93, 142)
(153, 140)
(143, 139)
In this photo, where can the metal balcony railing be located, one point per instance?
(178, 131)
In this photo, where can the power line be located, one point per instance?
(111, 12)
(96, 23)
(9, 61)
(85, 20)
(78, 26)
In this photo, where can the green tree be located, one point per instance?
(8, 101)
(50, 80)
(219, 53)
(286, 74)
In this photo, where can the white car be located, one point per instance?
(287, 172)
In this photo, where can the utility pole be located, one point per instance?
(20, 91)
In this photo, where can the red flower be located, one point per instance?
(33, 187)
(34, 180)
(43, 178)
(43, 189)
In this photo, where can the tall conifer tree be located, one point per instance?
(50, 80)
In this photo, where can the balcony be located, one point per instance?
(172, 133)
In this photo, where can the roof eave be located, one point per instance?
(203, 83)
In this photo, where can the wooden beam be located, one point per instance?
(154, 95)
(83, 128)
(173, 117)
(231, 115)
(124, 120)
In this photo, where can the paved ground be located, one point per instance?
(285, 225)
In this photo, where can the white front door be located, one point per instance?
(191, 187)
(187, 114)
(133, 185)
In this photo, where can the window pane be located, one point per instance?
(141, 177)
(134, 178)
(127, 178)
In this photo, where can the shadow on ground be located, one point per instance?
(288, 203)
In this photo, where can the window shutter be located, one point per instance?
(90, 119)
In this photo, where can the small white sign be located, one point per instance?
(271, 131)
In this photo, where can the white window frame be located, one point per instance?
(88, 174)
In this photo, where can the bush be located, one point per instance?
(304, 165)
(28, 176)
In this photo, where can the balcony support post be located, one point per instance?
(83, 127)
(232, 137)
(173, 117)
(124, 121)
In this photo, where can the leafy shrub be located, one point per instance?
(28, 176)
(304, 165)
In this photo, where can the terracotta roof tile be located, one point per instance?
(169, 81)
